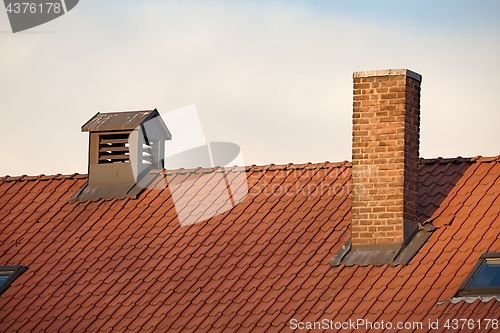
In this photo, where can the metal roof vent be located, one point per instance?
(123, 148)
(113, 148)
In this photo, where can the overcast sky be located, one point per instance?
(274, 77)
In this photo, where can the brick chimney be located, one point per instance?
(385, 152)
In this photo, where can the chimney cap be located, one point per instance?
(123, 121)
(388, 72)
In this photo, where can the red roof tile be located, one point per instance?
(128, 265)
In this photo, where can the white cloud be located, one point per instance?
(275, 79)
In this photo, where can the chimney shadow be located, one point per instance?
(437, 178)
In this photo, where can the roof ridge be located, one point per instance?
(271, 166)
(58, 176)
(266, 167)
(460, 159)
(480, 158)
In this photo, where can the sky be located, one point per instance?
(274, 77)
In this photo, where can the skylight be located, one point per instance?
(8, 274)
(484, 278)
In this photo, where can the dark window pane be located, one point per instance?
(8, 274)
(3, 278)
(4, 275)
(488, 274)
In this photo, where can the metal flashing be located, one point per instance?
(370, 257)
(344, 250)
(381, 254)
(410, 250)
(470, 299)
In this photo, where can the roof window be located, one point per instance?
(9, 274)
(484, 278)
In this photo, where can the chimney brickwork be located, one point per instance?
(385, 152)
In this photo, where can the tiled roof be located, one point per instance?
(128, 266)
